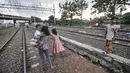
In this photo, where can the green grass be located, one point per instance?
(6, 33)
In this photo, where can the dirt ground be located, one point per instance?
(74, 63)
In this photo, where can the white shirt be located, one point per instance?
(37, 34)
(110, 31)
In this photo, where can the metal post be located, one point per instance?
(14, 21)
(54, 13)
(34, 20)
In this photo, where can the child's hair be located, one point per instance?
(37, 26)
(45, 30)
(54, 31)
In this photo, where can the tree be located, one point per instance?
(126, 18)
(45, 21)
(64, 15)
(51, 19)
(81, 5)
(36, 19)
(68, 9)
(108, 6)
(73, 8)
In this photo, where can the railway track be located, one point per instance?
(8, 40)
(121, 35)
(120, 41)
(31, 63)
(24, 47)
(99, 28)
(100, 38)
(10, 54)
(21, 60)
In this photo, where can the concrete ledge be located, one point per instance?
(112, 62)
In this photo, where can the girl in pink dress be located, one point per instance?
(57, 45)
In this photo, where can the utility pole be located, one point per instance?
(54, 13)
(34, 20)
(81, 11)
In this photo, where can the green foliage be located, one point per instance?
(51, 19)
(64, 15)
(80, 5)
(36, 19)
(67, 9)
(108, 6)
(125, 18)
(99, 20)
(45, 21)
(72, 8)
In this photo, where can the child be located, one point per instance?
(57, 45)
(111, 31)
(41, 37)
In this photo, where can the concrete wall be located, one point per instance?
(111, 62)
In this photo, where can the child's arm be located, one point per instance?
(48, 38)
(51, 36)
(40, 44)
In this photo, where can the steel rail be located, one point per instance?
(1, 48)
(24, 50)
(99, 36)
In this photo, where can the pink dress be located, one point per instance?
(57, 45)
